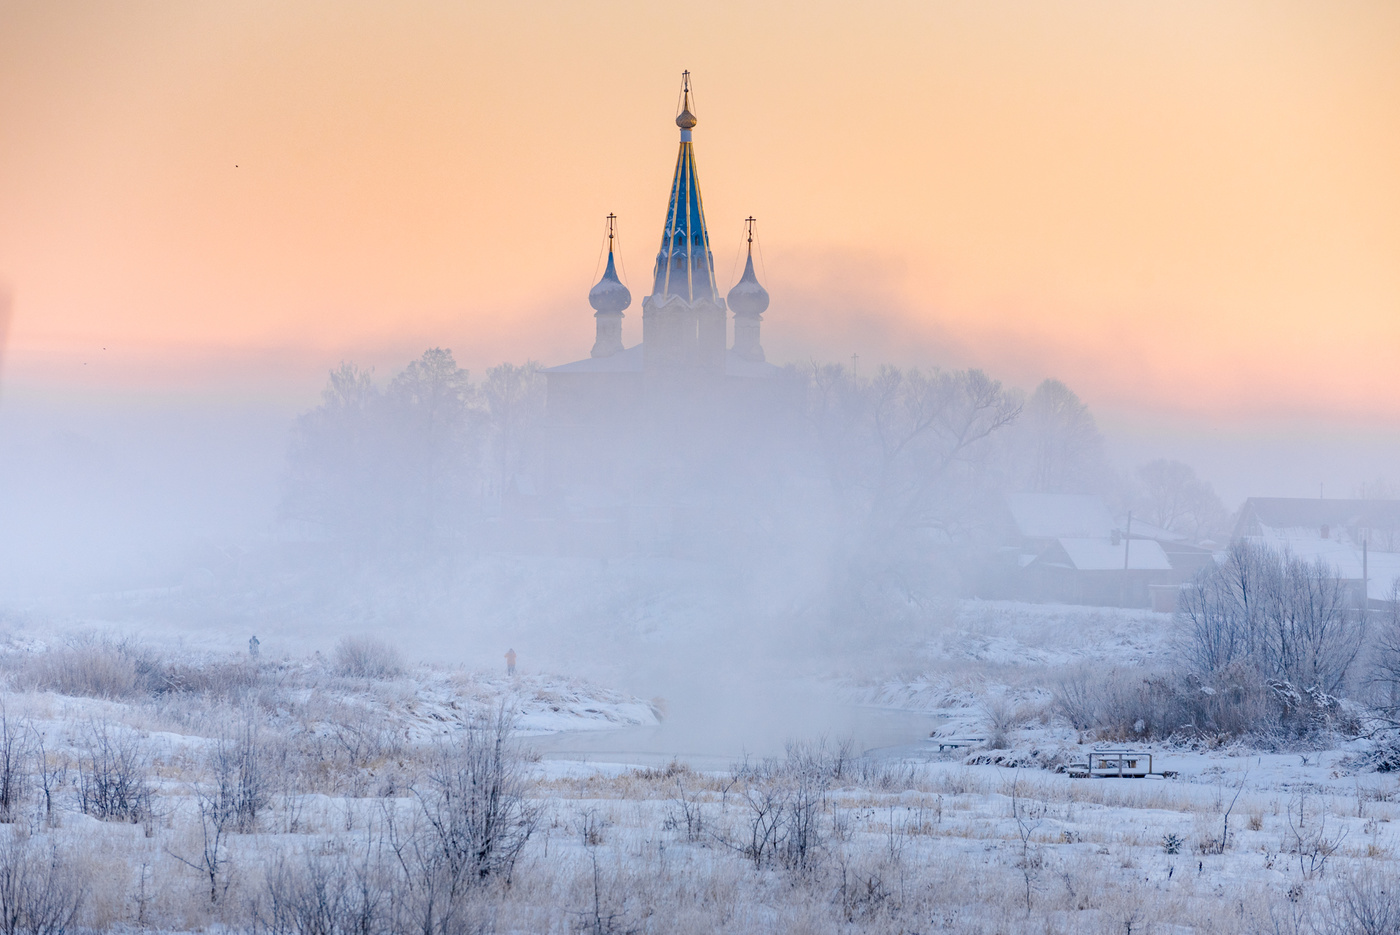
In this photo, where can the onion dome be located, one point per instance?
(610, 296)
(685, 119)
(748, 299)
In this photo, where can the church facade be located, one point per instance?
(646, 447)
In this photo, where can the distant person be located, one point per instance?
(510, 662)
(253, 645)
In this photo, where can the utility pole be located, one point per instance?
(1127, 546)
(1365, 579)
(1127, 540)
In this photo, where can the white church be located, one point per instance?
(686, 353)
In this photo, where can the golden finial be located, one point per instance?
(685, 120)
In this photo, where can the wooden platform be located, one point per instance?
(955, 743)
(1116, 764)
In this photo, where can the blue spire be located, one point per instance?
(684, 266)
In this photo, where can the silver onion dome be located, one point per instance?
(748, 298)
(610, 296)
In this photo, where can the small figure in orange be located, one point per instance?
(510, 662)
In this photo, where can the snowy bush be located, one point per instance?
(1265, 646)
(1285, 618)
(1364, 903)
(326, 895)
(114, 774)
(93, 669)
(41, 889)
(364, 657)
(474, 817)
(1002, 717)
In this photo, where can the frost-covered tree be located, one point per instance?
(515, 402)
(906, 454)
(1174, 498)
(1056, 446)
(389, 467)
(1379, 488)
(1274, 614)
(437, 425)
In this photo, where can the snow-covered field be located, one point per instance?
(884, 833)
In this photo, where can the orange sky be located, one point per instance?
(1176, 207)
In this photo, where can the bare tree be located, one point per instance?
(906, 455)
(515, 400)
(336, 457)
(215, 825)
(336, 894)
(243, 784)
(1031, 861)
(1385, 661)
(1056, 447)
(41, 891)
(16, 755)
(375, 467)
(113, 774)
(52, 772)
(435, 423)
(473, 819)
(1284, 617)
(1363, 903)
(1175, 498)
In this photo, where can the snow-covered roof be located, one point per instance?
(1382, 572)
(631, 361)
(1381, 569)
(625, 361)
(1307, 515)
(1103, 555)
(1055, 515)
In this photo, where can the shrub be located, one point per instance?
(114, 775)
(242, 777)
(1285, 618)
(1002, 717)
(95, 670)
(364, 657)
(40, 890)
(1364, 903)
(16, 754)
(327, 895)
(474, 817)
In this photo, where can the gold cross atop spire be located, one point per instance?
(686, 118)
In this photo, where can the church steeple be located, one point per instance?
(608, 298)
(684, 266)
(749, 300)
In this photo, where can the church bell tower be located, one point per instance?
(749, 300)
(683, 320)
(608, 299)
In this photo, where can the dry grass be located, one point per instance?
(895, 848)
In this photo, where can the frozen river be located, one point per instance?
(716, 743)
